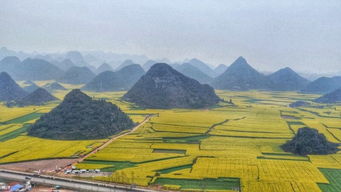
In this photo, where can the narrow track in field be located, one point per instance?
(146, 119)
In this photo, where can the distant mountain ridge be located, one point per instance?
(147, 65)
(9, 89)
(76, 57)
(30, 86)
(202, 66)
(38, 97)
(220, 69)
(30, 69)
(104, 67)
(333, 97)
(77, 75)
(193, 72)
(287, 80)
(241, 76)
(53, 87)
(56, 66)
(120, 80)
(323, 85)
(125, 64)
(65, 65)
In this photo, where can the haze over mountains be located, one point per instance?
(29, 86)
(74, 67)
(220, 69)
(241, 76)
(202, 67)
(77, 75)
(93, 59)
(30, 69)
(323, 85)
(125, 64)
(38, 97)
(190, 71)
(53, 87)
(84, 58)
(333, 97)
(9, 89)
(104, 67)
(120, 80)
(288, 80)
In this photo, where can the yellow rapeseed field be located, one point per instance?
(224, 148)
(241, 141)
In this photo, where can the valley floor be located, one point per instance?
(225, 148)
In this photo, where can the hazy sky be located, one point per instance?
(302, 34)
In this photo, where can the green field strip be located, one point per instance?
(177, 151)
(94, 161)
(172, 169)
(294, 112)
(14, 134)
(112, 165)
(117, 165)
(334, 178)
(290, 117)
(281, 154)
(201, 184)
(174, 131)
(242, 131)
(24, 118)
(252, 137)
(281, 158)
(318, 114)
(295, 123)
(189, 140)
(179, 125)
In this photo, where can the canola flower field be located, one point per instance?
(225, 148)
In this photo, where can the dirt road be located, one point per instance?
(114, 138)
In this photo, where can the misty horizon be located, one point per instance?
(270, 35)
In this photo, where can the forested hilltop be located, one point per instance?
(80, 117)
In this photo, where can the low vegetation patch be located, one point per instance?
(169, 151)
(334, 178)
(201, 184)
